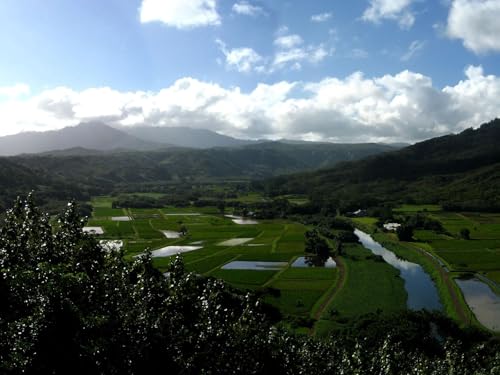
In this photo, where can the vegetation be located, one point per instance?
(73, 307)
(460, 172)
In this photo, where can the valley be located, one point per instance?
(265, 256)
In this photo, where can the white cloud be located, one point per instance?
(247, 9)
(291, 53)
(19, 89)
(288, 41)
(243, 60)
(401, 107)
(397, 10)
(413, 49)
(182, 14)
(322, 17)
(476, 23)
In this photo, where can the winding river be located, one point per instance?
(422, 293)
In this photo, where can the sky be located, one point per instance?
(322, 70)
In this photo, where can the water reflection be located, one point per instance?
(422, 293)
(483, 302)
(254, 265)
(314, 261)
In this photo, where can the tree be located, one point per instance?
(183, 230)
(465, 233)
(405, 232)
(316, 245)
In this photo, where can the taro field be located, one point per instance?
(480, 253)
(215, 242)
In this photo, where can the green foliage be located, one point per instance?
(316, 245)
(71, 307)
(465, 233)
(405, 232)
(460, 171)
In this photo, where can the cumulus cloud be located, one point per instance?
(243, 59)
(321, 17)
(182, 14)
(413, 49)
(14, 91)
(288, 41)
(247, 9)
(401, 107)
(397, 10)
(292, 52)
(476, 23)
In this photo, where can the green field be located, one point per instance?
(479, 254)
(299, 293)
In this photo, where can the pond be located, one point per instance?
(313, 261)
(254, 265)
(171, 234)
(121, 218)
(172, 250)
(422, 293)
(241, 220)
(234, 242)
(93, 230)
(483, 302)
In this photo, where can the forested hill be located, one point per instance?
(461, 169)
(84, 170)
(256, 161)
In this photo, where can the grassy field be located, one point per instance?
(297, 292)
(370, 287)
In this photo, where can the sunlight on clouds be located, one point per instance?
(243, 59)
(19, 89)
(401, 107)
(180, 13)
(397, 10)
(476, 23)
(247, 9)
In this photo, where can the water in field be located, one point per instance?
(241, 220)
(235, 242)
(422, 293)
(171, 234)
(93, 230)
(121, 218)
(172, 250)
(183, 214)
(483, 302)
(314, 261)
(254, 265)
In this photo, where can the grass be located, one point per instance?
(370, 287)
(418, 208)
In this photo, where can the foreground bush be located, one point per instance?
(70, 307)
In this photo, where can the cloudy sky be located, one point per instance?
(337, 70)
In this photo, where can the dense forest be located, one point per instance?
(79, 173)
(459, 171)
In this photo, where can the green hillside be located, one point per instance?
(461, 170)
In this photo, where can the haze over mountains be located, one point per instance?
(98, 136)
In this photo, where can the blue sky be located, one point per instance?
(252, 68)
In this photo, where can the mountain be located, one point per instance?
(183, 136)
(92, 135)
(462, 169)
(107, 170)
